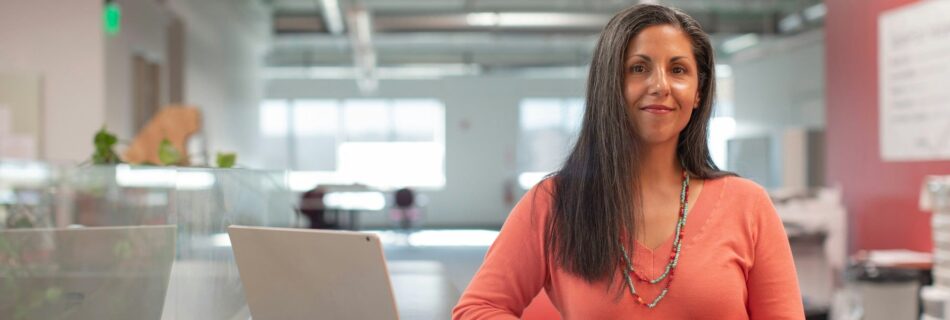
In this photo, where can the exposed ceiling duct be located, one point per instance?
(383, 39)
(532, 22)
(361, 42)
(332, 16)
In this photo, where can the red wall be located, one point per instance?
(881, 198)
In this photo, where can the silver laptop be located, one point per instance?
(85, 273)
(312, 274)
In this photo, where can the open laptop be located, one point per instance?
(312, 274)
(85, 273)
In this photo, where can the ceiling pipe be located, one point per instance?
(360, 25)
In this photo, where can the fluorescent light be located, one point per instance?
(482, 19)
(545, 19)
(534, 19)
(740, 43)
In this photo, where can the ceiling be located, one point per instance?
(495, 36)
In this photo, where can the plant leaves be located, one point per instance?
(226, 159)
(103, 142)
(167, 154)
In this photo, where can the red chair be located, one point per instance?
(541, 308)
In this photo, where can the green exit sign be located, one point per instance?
(111, 18)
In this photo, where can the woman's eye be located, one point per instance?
(638, 69)
(679, 70)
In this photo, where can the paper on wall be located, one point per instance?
(914, 70)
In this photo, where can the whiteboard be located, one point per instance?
(914, 79)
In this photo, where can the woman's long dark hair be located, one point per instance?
(597, 193)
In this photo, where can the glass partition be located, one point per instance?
(129, 242)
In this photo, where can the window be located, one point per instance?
(274, 118)
(385, 143)
(316, 124)
(366, 120)
(722, 126)
(549, 127)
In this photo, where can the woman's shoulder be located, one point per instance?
(737, 194)
(736, 186)
(536, 203)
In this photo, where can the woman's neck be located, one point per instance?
(660, 166)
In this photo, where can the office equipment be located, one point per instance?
(312, 274)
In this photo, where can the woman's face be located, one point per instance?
(661, 83)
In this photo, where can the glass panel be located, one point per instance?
(129, 242)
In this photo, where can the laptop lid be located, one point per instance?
(312, 274)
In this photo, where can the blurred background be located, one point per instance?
(425, 122)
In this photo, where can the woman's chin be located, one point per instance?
(655, 139)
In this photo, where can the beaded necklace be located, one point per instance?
(674, 255)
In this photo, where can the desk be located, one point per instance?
(422, 289)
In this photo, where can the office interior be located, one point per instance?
(156, 124)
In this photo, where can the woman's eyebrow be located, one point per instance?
(648, 59)
(641, 56)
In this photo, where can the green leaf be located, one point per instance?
(226, 159)
(122, 249)
(167, 154)
(103, 142)
(53, 293)
(22, 223)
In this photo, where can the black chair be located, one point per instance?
(312, 207)
(405, 211)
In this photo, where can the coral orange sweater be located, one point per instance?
(735, 264)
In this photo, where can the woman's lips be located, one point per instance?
(657, 109)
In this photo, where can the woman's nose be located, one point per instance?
(659, 84)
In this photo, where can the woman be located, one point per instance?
(639, 223)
